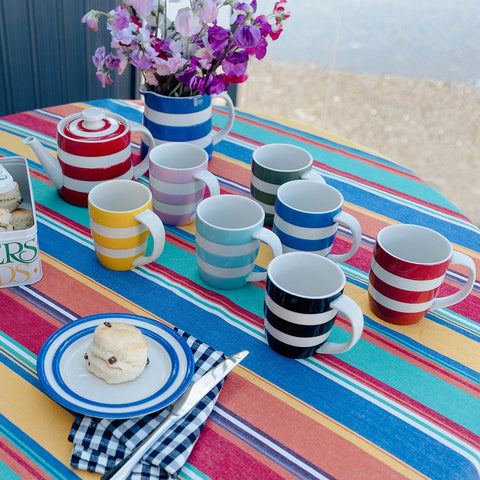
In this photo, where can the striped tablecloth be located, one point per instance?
(403, 403)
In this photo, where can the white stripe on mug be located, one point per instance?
(112, 232)
(225, 272)
(293, 340)
(405, 283)
(299, 318)
(396, 305)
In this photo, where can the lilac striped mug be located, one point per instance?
(178, 177)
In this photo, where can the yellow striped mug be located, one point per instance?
(121, 220)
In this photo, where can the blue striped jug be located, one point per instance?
(184, 119)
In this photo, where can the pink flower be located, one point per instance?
(187, 23)
(91, 19)
(167, 67)
(142, 7)
(279, 9)
(104, 78)
(207, 12)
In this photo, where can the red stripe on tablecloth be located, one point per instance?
(19, 319)
(228, 461)
(34, 121)
(17, 462)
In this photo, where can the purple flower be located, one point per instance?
(187, 77)
(119, 19)
(218, 40)
(191, 55)
(99, 57)
(235, 63)
(247, 36)
(139, 60)
(264, 25)
(112, 62)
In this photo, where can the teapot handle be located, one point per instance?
(142, 167)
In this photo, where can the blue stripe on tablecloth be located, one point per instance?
(41, 457)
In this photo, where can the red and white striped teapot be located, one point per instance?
(93, 146)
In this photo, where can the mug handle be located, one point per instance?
(157, 230)
(211, 181)
(313, 176)
(458, 259)
(221, 134)
(268, 237)
(142, 167)
(354, 225)
(355, 316)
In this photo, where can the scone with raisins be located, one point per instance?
(117, 353)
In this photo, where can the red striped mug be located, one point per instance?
(408, 267)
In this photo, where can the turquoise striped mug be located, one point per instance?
(229, 229)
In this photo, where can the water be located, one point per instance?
(418, 38)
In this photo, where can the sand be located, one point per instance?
(429, 126)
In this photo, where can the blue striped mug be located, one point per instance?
(306, 218)
(229, 229)
(183, 119)
(303, 294)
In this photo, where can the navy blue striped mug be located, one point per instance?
(303, 294)
(229, 229)
(307, 215)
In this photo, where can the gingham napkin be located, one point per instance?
(100, 443)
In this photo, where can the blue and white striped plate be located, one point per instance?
(65, 378)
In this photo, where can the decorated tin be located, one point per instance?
(20, 262)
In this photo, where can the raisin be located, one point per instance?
(148, 361)
(112, 360)
(107, 324)
(85, 357)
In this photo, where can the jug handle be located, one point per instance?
(221, 134)
(142, 167)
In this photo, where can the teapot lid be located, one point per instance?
(92, 124)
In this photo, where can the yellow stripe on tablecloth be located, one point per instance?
(432, 335)
(48, 424)
(13, 143)
(339, 429)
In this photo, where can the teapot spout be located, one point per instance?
(49, 163)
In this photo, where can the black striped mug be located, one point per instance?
(303, 294)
